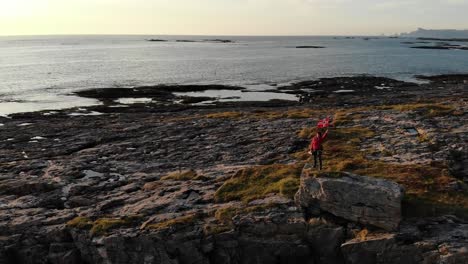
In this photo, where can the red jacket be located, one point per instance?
(317, 141)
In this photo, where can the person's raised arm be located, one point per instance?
(325, 135)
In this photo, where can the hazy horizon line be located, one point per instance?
(205, 35)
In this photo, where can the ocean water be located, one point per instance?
(40, 72)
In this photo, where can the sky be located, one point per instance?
(229, 17)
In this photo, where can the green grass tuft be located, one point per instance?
(257, 182)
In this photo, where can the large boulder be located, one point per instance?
(361, 199)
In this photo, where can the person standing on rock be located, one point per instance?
(316, 147)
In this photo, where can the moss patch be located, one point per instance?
(80, 223)
(257, 182)
(177, 222)
(102, 225)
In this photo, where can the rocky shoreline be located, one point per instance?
(168, 181)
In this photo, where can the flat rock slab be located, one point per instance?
(360, 199)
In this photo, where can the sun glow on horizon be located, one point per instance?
(228, 17)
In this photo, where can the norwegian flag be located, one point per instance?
(323, 123)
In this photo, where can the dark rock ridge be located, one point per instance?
(219, 40)
(161, 93)
(157, 40)
(310, 47)
(186, 40)
(441, 47)
(358, 86)
(445, 79)
(415, 42)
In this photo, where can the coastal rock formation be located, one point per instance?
(141, 183)
(273, 231)
(361, 199)
(435, 240)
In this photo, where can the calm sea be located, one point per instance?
(39, 73)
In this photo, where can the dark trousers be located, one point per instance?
(317, 155)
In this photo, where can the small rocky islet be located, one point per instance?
(165, 181)
(192, 40)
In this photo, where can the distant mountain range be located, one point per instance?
(437, 33)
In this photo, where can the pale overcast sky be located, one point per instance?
(229, 17)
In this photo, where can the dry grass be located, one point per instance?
(225, 215)
(423, 136)
(150, 186)
(362, 235)
(428, 110)
(257, 182)
(225, 115)
(306, 132)
(259, 114)
(186, 175)
(291, 114)
(342, 117)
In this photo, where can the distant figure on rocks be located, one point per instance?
(316, 147)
